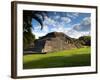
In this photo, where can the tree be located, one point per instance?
(28, 36)
(85, 40)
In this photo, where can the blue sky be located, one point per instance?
(73, 24)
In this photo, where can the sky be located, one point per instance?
(73, 24)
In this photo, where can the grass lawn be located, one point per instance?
(66, 58)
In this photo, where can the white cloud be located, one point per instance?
(86, 21)
(57, 17)
(77, 27)
(76, 14)
(38, 32)
(73, 15)
(75, 31)
(85, 25)
(76, 34)
(61, 29)
(49, 21)
(58, 29)
(45, 29)
(54, 22)
(66, 19)
(36, 28)
(68, 31)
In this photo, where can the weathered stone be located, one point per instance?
(55, 41)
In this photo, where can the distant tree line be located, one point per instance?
(85, 40)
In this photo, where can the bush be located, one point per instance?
(85, 40)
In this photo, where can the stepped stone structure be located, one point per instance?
(55, 41)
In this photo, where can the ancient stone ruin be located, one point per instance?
(55, 41)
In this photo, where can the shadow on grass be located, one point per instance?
(59, 61)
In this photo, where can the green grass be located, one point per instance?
(66, 58)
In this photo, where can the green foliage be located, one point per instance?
(66, 58)
(27, 39)
(29, 15)
(28, 36)
(85, 40)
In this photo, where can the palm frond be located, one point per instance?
(39, 20)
